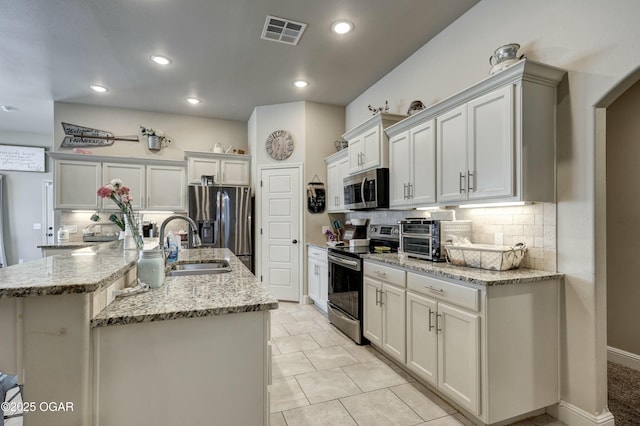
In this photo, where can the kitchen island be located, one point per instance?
(194, 350)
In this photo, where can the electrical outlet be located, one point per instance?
(97, 228)
(498, 238)
(325, 229)
(71, 228)
(20, 260)
(37, 226)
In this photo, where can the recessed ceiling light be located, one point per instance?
(342, 27)
(98, 88)
(8, 108)
(300, 83)
(193, 101)
(160, 60)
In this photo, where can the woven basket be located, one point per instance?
(484, 256)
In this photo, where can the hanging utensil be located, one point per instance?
(86, 136)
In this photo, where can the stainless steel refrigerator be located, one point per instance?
(223, 215)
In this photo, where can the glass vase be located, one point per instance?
(133, 232)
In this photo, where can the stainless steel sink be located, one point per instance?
(213, 267)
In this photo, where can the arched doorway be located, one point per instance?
(617, 158)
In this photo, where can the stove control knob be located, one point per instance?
(373, 229)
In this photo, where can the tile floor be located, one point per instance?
(321, 377)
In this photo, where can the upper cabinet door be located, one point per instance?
(400, 176)
(490, 152)
(356, 152)
(452, 154)
(234, 172)
(422, 190)
(199, 167)
(76, 184)
(372, 143)
(132, 176)
(166, 188)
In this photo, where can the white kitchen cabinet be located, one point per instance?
(483, 346)
(384, 308)
(235, 171)
(197, 167)
(337, 170)
(412, 170)
(443, 344)
(368, 143)
(76, 184)
(318, 276)
(227, 169)
(166, 188)
(133, 176)
(496, 139)
(154, 184)
(476, 148)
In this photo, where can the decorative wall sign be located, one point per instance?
(86, 136)
(22, 158)
(279, 145)
(316, 196)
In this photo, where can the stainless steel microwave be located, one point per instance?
(367, 190)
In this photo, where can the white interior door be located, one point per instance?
(280, 227)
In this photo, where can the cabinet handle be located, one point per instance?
(438, 329)
(430, 313)
(405, 192)
(381, 273)
(377, 302)
(428, 287)
(469, 177)
(461, 182)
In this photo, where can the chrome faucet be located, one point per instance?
(193, 239)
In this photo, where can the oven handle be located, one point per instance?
(351, 264)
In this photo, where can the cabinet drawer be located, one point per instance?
(317, 254)
(384, 273)
(459, 295)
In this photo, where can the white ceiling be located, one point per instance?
(52, 50)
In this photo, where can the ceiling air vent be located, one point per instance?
(282, 30)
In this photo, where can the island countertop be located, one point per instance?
(461, 273)
(192, 296)
(83, 271)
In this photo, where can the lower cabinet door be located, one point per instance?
(422, 341)
(459, 356)
(393, 322)
(372, 315)
(313, 280)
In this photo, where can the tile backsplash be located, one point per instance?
(82, 220)
(532, 224)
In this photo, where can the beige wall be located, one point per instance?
(188, 133)
(325, 125)
(560, 34)
(623, 230)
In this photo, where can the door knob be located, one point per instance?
(295, 241)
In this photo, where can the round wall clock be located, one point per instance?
(279, 145)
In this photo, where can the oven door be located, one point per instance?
(417, 246)
(345, 284)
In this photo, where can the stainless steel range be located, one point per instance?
(346, 276)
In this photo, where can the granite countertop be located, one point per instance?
(191, 296)
(68, 245)
(318, 246)
(83, 271)
(465, 274)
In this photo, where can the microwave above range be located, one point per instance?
(367, 190)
